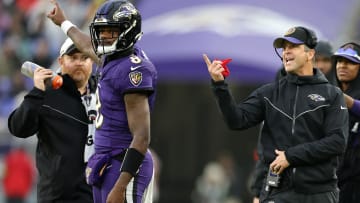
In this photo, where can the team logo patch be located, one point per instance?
(135, 78)
(290, 31)
(316, 97)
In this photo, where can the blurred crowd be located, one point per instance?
(27, 35)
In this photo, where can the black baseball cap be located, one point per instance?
(68, 47)
(297, 35)
(349, 51)
(324, 48)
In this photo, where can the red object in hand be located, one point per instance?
(56, 82)
(224, 63)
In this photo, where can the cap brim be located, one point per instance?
(351, 58)
(72, 49)
(279, 42)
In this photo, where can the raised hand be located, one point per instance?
(215, 68)
(56, 15)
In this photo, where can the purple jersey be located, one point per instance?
(133, 73)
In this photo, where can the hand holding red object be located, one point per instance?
(224, 63)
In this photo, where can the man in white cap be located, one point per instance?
(61, 118)
(305, 123)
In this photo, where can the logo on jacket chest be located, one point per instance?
(316, 97)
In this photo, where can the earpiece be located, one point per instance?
(311, 37)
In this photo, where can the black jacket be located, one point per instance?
(349, 169)
(303, 116)
(60, 121)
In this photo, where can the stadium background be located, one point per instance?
(187, 129)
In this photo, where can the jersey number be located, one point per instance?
(99, 117)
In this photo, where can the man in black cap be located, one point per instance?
(305, 123)
(61, 119)
(323, 53)
(347, 61)
(323, 62)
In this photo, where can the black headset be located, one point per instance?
(310, 36)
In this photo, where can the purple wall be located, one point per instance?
(177, 33)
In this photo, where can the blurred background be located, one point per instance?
(199, 159)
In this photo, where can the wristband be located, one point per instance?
(66, 25)
(132, 161)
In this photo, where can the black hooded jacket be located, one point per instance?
(304, 116)
(59, 119)
(349, 169)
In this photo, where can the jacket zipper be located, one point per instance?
(293, 130)
(65, 114)
(294, 111)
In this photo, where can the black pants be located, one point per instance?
(290, 196)
(349, 192)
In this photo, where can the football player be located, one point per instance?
(126, 95)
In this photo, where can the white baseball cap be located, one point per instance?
(68, 47)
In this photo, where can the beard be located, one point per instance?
(80, 77)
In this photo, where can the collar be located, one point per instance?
(117, 55)
(317, 78)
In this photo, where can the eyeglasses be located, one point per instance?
(348, 52)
